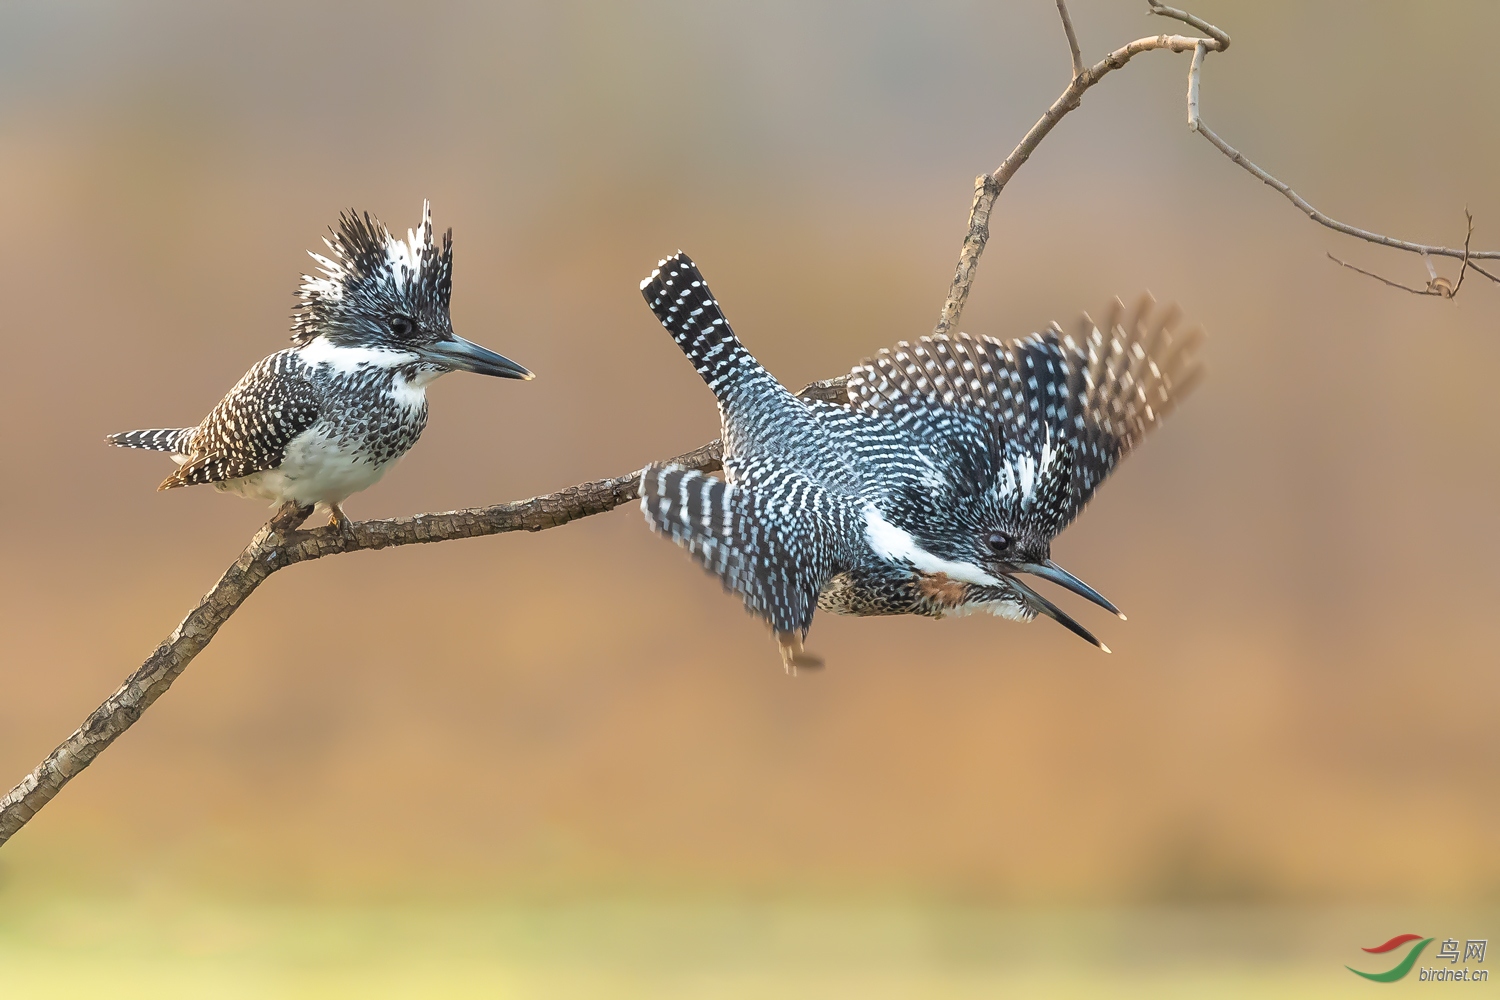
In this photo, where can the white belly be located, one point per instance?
(314, 470)
(1013, 610)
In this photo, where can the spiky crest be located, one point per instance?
(368, 272)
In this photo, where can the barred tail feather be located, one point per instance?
(678, 295)
(777, 569)
(169, 439)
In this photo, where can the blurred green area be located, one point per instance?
(166, 946)
(1300, 713)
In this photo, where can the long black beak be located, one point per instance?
(459, 354)
(1050, 570)
(1052, 611)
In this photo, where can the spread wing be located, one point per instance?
(250, 428)
(1058, 411)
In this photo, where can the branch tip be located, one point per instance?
(1219, 36)
(1062, 11)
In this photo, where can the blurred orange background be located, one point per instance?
(1300, 712)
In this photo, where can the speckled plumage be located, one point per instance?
(955, 463)
(325, 419)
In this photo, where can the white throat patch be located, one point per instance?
(345, 360)
(897, 545)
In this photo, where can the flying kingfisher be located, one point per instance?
(938, 486)
(324, 419)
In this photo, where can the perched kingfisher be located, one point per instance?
(320, 421)
(938, 486)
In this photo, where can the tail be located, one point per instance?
(680, 298)
(766, 545)
(170, 439)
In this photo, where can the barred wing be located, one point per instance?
(1073, 405)
(250, 428)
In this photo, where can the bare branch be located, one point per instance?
(1436, 284)
(1475, 267)
(1195, 72)
(1463, 268)
(280, 544)
(277, 545)
(1062, 11)
(987, 187)
(829, 390)
(1218, 35)
(1387, 281)
(1196, 124)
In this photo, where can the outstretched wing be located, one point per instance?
(250, 428)
(1061, 410)
(775, 541)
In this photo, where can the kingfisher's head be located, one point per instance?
(992, 536)
(389, 295)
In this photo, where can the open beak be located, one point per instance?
(1050, 570)
(459, 354)
(1046, 607)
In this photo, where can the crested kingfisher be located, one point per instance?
(935, 489)
(325, 418)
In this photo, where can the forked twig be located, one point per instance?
(1195, 123)
(987, 187)
(1436, 284)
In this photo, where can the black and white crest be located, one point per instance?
(318, 422)
(369, 274)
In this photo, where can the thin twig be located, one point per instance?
(1463, 268)
(987, 187)
(1062, 11)
(1385, 281)
(1475, 267)
(1436, 284)
(1195, 72)
(1195, 122)
(1217, 34)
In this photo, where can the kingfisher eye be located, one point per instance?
(402, 326)
(1000, 541)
